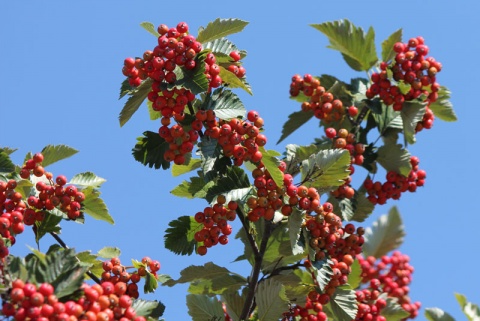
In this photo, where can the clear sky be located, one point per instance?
(61, 74)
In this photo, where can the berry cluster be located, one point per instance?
(427, 120)
(321, 102)
(412, 68)
(345, 140)
(215, 224)
(311, 311)
(370, 305)
(390, 275)
(15, 213)
(105, 302)
(117, 274)
(396, 184)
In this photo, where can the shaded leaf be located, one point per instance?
(235, 178)
(150, 284)
(220, 28)
(202, 307)
(393, 157)
(54, 153)
(298, 283)
(326, 169)
(322, 271)
(385, 235)
(233, 81)
(412, 113)
(195, 80)
(49, 224)
(191, 189)
(6, 164)
(271, 164)
(387, 45)
(356, 46)
(294, 122)
(394, 311)
(295, 221)
(234, 303)
(179, 236)
(94, 206)
(386, 117)
(145, 308)
(149, 150)
(271, 300)
(134, 101)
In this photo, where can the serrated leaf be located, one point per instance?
(271, 164)
(385, 235)
(322, 271)
(356, 46)
(294, 122)
(234, 303)
(222, 48)
(298, 283)
(202, 307)
(387, 45)
(355, 276)
(233, 81)
(344, 304)
(387, 118)
(326, 169)
(190, 189)
(87, 179)
(6, 164)
(179, 236)
(86, 258)
(239, 194)
(17, 269)
(149, 150)
(393, 157)
(235, 178)
(220, 28)
(193, 164)
(135, 101)
(208, 271)
(271, 300)
(436, 314)
(109, 252)
(150, 28)
(153, 114)
(412, 113)
(362, 206)
(8, 150)
(145, 308)
(150, 284)
(226, 104)
(54, 153)
(442, 107)
(471, 311)
(126, 89)
(49, 224)
(94, 206)
(195, 80)
(295, 221)
(394, 311)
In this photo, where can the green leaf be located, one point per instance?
(8, 150)
(145, 308)
(95, 206)
(356, 46)
(355, 276)
(235, 178)
(412, 113)
(222, 48)
(436, 314)
(17, 268)
(220, 28)
(153, 114)
(294, 122)
(393, 157)
(149, 150)
(86, 258)
(385, 235)
(109, 252)
(226, 104)
(87, 179)
(179, 237)
(271, 300)
(326, 169)
(150, 28)
(6, 164)
(322, 271)
(271, 164)
(387, 45)
(195, 80)
(134, 101)
(190, 189)
(471, 311)
(54, 153)
(49, 224)
(295, 221)
(202, 307)
(387, 118)
(394, 311)
(233, 81)
(151, 283)
(344, 304)
(355, 209)
(234, 303)
(442, 107)
(298, 283)
(193, 164)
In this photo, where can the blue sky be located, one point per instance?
(61, 74)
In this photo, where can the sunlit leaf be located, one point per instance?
(393, 157)
(294, 122)
(150, 28)
(387, 45)
(344, 304)
(442, 107)
(94, 206)
(109, 252)
(220, 28)
(436, 314)
(193, 164)
(203, 307)
(271, 300)
(87, 179)
(471, 310)
(394, 311)
(54, 153)
(134, 101)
